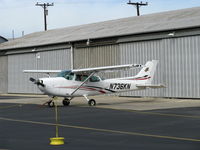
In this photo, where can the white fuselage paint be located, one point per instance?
(59, 86)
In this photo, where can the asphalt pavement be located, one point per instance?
(29, 126)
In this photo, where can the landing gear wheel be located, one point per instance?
(51, 104)
(66, 102)
(91, 102)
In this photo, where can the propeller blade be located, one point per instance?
(32, 79)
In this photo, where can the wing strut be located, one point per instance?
(82, 83)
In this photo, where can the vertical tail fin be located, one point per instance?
(146, 74)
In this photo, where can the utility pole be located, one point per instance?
(137, 4)
(44, 6)
(13, 34)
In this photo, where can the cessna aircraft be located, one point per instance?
(83, 82)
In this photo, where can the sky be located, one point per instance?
(23, 16)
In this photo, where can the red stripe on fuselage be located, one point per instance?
(84, 88)
(140, 78)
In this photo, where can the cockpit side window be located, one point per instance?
(84, 77)
(67, 74)
(81, 77)
(94, 79)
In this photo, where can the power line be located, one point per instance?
(138, 5)
(44, 6)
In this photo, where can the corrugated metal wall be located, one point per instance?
(18, 82)
(97, 56)
(3, 74)
(178, 67)
(182, 67)
(141, 52)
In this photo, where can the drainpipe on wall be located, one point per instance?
(72, 56)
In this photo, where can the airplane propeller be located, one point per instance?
(38, 82)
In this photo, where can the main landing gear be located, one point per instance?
(91, 102)
(51, 103)
(66, 102)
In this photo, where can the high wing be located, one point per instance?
(106, 68)
(42, 71)
(88, 70)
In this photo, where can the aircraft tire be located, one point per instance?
(66, 102)
(91, 102)
(51, 104)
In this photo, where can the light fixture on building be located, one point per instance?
(33, 50)
(88, 42)
(171, 34)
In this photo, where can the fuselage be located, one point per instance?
(60, 86)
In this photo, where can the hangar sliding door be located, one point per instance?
(141, 52)
(3, 74)
(18, 82)
(182, 67)
(178, 68)
(97, 56)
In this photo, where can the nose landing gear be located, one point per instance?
(51, 103)
(66, 102)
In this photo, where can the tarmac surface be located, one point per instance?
(29, 126)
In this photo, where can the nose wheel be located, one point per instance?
(51, 103)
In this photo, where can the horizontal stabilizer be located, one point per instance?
(150, 86)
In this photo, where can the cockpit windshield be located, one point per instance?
(63, 73)
(67, 74)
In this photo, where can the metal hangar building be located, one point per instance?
(171, 37)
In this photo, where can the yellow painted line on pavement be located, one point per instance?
(104, 130)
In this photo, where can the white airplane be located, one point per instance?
(83, 82)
